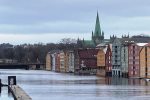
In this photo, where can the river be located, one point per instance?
(46, 85)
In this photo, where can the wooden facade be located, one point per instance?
(57, 64)
(101, 58)
(116, 57)
(134, 60)
(62, 62)
(124, 60)
(76, 62)
(48, 62)
(66, 61)
(88, 60)
(101, 62)
(148, 61)
(109, 60)
(145, 62)
(71, 61)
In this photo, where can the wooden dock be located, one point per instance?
(19, 93)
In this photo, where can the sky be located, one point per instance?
(46, 21)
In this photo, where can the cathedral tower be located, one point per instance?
(98, 35)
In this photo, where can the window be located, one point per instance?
(130, 62)
(131, 72)
(115, 61)
(146, 69)
(134, 62)
(133, 51)
(116, 56)
(62, 64)
(135, 72)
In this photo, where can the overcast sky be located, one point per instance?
(33, 21)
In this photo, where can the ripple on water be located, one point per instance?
(45, 85)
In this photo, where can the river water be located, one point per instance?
(46, 85)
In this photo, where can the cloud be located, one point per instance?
(73, 16)
(40, 38)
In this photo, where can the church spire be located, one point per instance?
(97, 31)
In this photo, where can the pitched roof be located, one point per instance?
(89, 43)
(148, 44)
(141, 44)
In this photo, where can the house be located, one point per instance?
(67, 61)
(64, 58)
(87, 60)
(53, 59)
(48, 61)
(101, 62)
(124, 60)
(145, 61)
(76, 62)
(116, 57)
(71, 61)
(57, 62)
(134, 59)
(108, 58)
(62, 61)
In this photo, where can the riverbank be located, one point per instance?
(19, 93)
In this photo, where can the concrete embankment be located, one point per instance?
(19, 93)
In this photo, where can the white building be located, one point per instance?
(71, 61)
(53, 62)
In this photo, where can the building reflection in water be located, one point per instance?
(122, 81)
(122, 88)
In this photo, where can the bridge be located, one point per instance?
(26, 66)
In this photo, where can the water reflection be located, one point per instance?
(4, 95)
(122, 81)
(47, 85)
